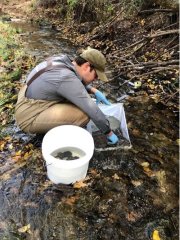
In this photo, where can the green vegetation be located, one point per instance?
(13, 63)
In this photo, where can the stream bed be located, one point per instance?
(127, 195)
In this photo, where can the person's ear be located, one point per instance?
(86, 66)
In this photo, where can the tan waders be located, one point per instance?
(39, 116)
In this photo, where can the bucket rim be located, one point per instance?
(67, 164)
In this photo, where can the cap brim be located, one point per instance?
(101, 75)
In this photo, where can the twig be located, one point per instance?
(158, 34)
(171, 25)
(166, 68)
(157, 10)
(155, 71)
(162, 33)
(136, 49)
(150, 64)
(172, 96)
(101, 30)
(134, 44)
(174, 47)
(84, 4)
(161, 86)
(169, 43)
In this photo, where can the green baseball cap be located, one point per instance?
(97, 60)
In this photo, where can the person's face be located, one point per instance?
(88, 73)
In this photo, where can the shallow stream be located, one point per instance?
(128, 194)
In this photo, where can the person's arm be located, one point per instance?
(100, 97)
(72, 89)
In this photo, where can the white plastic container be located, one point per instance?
(67, 171)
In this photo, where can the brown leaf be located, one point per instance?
(71, 200)
(115, 176)
(93, 171)
(16, 158)
(148, 172)
(145, 164)
(133, 216)
(79, 184)
(2, 145)
(136, 183)
(136, 132)
(24, 229)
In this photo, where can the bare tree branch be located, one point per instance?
(156, 10)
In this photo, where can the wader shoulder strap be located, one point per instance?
(47, 68)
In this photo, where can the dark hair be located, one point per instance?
(80, 61)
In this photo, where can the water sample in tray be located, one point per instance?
(68, 153)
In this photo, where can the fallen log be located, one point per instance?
(149, 37)
(150, 64)
(156, 70)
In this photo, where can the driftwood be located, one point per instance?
(149, 64)
(170, 26)
(103, 28)
(149, 37)
(162, 33)
(156, 70)
(157, 10)
(169, 43)
(171, 96)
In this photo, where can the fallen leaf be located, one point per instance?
(10, 106)
(4, 122)
(24, 229)
(137, 84)
(93, 171)
(79, 184)
(71, 200)
(16, 158)
(2, 146)
(145, 164)
(26, 155)
(115, 176)
(10, 146)
(136, 132)
(142, 22)
(18, 153)
(136, 183)
(8, 138)
(133, 216)
(148, 172)
(5, 176)
(155, 235)
(151, 86)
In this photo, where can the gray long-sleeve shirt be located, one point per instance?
(64, 84)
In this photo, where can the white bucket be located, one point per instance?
(67, 171)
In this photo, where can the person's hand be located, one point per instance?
(112, 138)
(101, 98)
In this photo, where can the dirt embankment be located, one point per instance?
(14, 8)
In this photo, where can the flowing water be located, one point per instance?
(127, 195)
